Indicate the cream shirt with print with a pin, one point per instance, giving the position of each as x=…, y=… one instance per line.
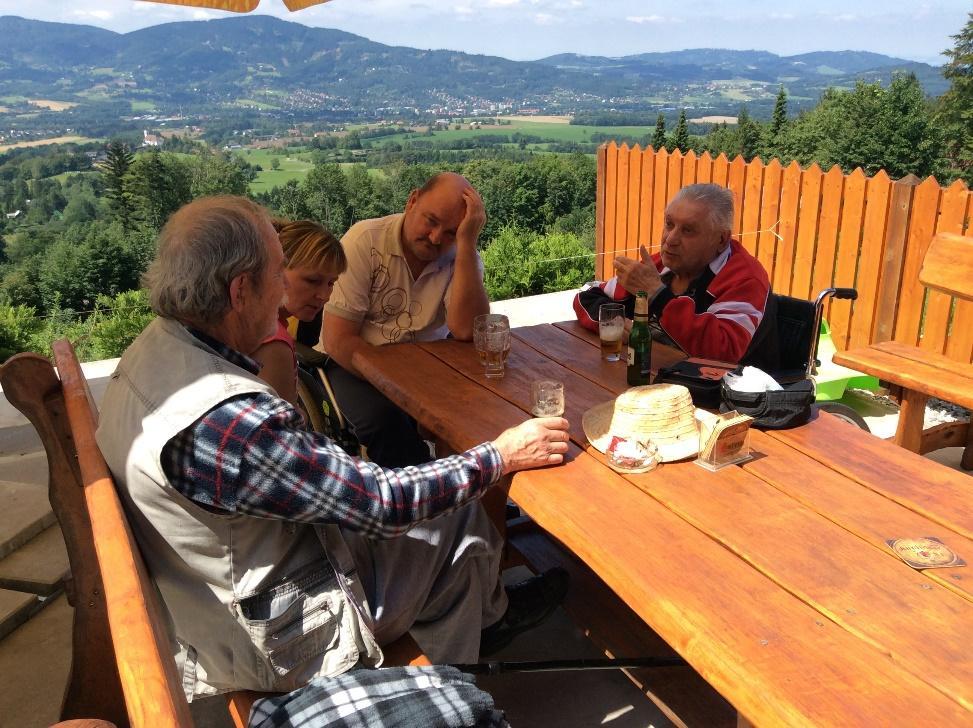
x=378, y=290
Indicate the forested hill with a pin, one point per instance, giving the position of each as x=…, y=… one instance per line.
x=258, y=57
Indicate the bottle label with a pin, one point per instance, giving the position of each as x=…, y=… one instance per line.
x=631, y=356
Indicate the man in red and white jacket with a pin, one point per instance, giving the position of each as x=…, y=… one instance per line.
x=707, y=295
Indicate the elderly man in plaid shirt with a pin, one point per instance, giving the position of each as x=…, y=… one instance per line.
x=278, y=556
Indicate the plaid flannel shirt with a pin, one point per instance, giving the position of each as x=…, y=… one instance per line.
x=250, y=455
x=431, y=696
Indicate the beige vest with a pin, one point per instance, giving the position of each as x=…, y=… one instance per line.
x=254, y=603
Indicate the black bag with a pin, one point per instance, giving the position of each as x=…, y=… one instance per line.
x=773, y=410
x=702, y=377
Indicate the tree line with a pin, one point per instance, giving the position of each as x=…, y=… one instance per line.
x=74, y=268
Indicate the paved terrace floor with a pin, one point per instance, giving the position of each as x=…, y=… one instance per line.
x=35, y=619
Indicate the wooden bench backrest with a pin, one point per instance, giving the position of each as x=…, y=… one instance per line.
x=948, y=265
x=122, y=668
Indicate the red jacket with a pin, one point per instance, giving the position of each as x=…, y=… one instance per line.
x=718, y=317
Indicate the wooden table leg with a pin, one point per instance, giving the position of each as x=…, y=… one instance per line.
x=966, y=462
x=912, y=409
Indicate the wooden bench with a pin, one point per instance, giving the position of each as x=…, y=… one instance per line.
x=919, y=373
x=122, y=670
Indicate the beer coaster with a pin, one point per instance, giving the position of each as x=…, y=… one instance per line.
x=925, y=552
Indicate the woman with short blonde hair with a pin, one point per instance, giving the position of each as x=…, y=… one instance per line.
x=315, y=259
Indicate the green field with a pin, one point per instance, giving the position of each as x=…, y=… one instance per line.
x=143, y=106
x=253, y=103
x=64, y=175
x=547, y=130
x=296, y=163
x=293, y=165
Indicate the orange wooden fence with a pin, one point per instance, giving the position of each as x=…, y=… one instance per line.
x=834, y=229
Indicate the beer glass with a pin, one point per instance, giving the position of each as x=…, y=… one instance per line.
x=496, y=344
x=611, y=326
x=546, y=398
x=485, y=324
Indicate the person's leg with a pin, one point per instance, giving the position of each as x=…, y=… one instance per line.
x=440, y=582
x=388, y=433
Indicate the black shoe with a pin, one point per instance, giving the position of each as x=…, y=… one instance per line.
x=531, y=602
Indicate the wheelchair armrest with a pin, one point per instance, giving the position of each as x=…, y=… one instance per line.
x=308, y=356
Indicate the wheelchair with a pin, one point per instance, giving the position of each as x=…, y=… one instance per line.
x=800, y=330
x=319, y=403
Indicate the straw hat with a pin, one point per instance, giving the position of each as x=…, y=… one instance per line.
x=662, y=413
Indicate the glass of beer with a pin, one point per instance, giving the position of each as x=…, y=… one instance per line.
x=546, y=398
x=611, y=326
x=485, y=324
x=497, y=347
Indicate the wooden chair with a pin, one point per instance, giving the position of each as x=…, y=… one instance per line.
x=918, y=373
x=122, y=670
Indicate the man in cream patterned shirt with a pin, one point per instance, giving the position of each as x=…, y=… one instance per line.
x=413, y=276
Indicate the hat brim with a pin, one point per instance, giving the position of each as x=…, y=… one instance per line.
x=597, y=421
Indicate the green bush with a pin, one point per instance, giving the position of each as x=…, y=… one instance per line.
x=18, y=325
x=105, y=333
x=520, y=263
x=117, y=321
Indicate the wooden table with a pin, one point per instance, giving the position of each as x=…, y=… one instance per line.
x=772, y=579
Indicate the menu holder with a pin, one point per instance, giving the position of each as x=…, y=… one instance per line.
x=724, y=439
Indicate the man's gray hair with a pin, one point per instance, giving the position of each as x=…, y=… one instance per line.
x=718, y=200
x=201, y=249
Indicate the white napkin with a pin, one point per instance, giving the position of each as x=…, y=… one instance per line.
x=752, y=380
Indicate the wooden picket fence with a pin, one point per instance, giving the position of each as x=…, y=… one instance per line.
x=869, y=233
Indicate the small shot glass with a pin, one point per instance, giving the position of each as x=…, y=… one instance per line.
x=547, y=398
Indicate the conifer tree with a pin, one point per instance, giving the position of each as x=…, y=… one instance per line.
x=778, y=123
x=680, y=138
x=118, y=159
x=659, y=138
x=748, y=132
x=955, y=109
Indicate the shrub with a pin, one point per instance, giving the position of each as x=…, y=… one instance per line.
x=18, y=325
x=520, y=263
x=105, y=333
x=117, y=321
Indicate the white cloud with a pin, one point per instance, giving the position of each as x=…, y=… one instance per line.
x=203, y=15
x=781, y=16
x=545, y=19
x=503, y=2
x=97, y=14
x=844, y=18
x=653, y=19
x=463, y=10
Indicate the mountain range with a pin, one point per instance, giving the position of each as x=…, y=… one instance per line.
x=282, y=66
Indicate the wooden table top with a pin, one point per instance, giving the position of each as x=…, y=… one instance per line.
x=772, y=579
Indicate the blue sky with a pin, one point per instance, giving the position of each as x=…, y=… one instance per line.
x=530, y=29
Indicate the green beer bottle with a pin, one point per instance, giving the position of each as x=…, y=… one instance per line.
x=640, y=343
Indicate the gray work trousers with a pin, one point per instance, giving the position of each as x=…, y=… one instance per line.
x=440, y=582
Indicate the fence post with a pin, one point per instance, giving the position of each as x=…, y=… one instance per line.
x=602, y=158
x=893, y=257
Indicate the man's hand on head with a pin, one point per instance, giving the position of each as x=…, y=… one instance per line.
x=474, y=219
x=637, y=275
x=534, y=443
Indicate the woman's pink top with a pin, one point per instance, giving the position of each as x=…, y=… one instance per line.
x=283, y=335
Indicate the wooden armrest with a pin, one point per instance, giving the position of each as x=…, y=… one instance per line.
x=84, y=723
